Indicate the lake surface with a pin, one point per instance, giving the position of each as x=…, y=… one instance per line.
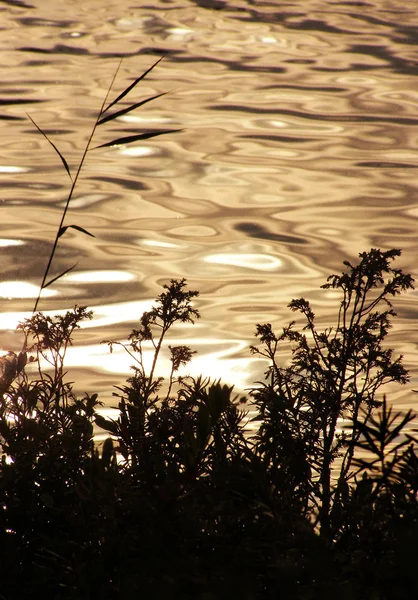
x=298, y=150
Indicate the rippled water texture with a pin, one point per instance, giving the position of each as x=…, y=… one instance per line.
x=297, y=151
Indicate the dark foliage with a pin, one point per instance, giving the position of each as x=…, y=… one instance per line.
x=181, y=500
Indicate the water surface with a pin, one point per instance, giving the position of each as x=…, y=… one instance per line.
x=298, y=150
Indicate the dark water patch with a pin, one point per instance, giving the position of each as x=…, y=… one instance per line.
x=260, y=17
x=359, y=4
x=403, y=231
x=232, y=65
x=181, y=56
x=36, y=63
x=408, y=33
x=13, y=91
x=52, y=131
x=18, y=263
x=371, y=20
x=393, y=198
x=397, y=63
x=255, y=230
x=11, y=118
x=316, y=117
x=15, y=183
x=279, y=138
x=300, y=61
x=215, y=5
x=10, y=101
x=260, y=309
x=125, y=183
x=385, y=165
x=350, y=68
x=17, y=3
x=317, y=25
x=57, y=49
x=39, y=22
x=305, y=88
x=155, y=52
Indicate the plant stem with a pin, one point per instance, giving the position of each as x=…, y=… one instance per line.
x=70, y=195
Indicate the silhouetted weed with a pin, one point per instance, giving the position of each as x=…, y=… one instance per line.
x=103, y=117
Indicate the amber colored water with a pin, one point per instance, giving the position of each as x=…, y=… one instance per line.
x=298, y=150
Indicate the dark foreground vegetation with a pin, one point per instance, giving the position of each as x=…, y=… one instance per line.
x=317, y=500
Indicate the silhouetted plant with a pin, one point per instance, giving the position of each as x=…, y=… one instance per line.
x=377, y=436
x=140, y=396
x=333, y=374
x=43, y=398
x=101, y=119
x=46, y=440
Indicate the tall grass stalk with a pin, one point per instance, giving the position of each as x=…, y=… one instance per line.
x=101, y=119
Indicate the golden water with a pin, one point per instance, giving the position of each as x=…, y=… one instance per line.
x=298, y=151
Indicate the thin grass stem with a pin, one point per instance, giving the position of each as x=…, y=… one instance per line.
x=44, y=283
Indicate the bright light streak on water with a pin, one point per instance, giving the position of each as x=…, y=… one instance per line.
x=259, y=262
x=22, y=289
x=12, y=169
x=100, y=276
x=159, y=244
x=7, y=242
x=136, y=151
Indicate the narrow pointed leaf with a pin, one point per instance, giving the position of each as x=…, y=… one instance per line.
x=64, y=162
x=64, y=229
x=82, y=230
x=370, y=445
x=130, y=87
x=124, y=111
x=135, y=138
x=51, y=281
x=107, y=424
x=366, y=464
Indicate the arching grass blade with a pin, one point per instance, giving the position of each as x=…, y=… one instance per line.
x=51, y=281
x=64, y=162
x=130, y=87
x=119, y=113
x=135, y=138
x=64, y=229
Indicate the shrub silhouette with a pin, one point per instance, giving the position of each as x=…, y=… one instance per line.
x=333, y=375
x=181, y=500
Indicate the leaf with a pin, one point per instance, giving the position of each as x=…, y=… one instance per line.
x=130, y=87
x=22, y=360
x=59, y=276
x=107, y=424
x=64, y=229
x=107, y=451
x=64, y=162
x=203, y=425
x=135, y=138
x=119, y=113
x=32, y=398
